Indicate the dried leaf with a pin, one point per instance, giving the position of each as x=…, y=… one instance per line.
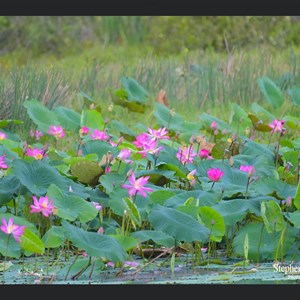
x=203, y=143
x=162, y=98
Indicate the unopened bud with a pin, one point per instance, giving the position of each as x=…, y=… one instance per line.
x=110, y=108
x=289, y=201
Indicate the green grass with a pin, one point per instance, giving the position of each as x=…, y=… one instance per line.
x=195, y=81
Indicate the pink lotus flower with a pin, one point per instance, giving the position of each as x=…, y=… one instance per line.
x=107, y=169
x=84, y=130
x=159, y=134
x=100, y=230
x=36, y=153
x=213, y=125
x=38, y=134
x=150, y=147
x=113, y=143
x=11, y=228
x=277, y=125
x=2, y=136
x=215, y=174
x=131, y=264
x=186, y=154
x=124, y=154
x=191, y=178
x=3, y=165
x=137, y=185
x=141, y=139
x=204, y=153
x=56, y=131
x=248, y=169
x=110, y=264
x=99, y=135
x=42, y=205
x=97, y=205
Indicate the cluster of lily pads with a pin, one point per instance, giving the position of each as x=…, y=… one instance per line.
x=100, y=189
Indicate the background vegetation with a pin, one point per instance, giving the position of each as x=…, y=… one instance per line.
x=204, y=63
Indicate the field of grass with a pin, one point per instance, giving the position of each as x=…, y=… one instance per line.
x=194, y=81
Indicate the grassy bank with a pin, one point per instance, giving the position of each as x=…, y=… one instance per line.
x=194, y=81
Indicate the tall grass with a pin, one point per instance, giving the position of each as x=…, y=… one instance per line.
x=195, y=82
x=28, y=82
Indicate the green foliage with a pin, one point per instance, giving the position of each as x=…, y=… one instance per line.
x=177, y=224
x=97, y=245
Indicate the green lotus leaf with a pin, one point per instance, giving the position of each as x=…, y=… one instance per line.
x=95, y=244
x=159, y=237
x=177, y=224
x=70, y=206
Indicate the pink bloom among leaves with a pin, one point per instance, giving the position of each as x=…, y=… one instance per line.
x=137, y=185
x=84, y=130
x=2, y=136
x=56, y=131
x=3, y=165
x=11, y=228
x=159, y=134
x=42, y=205
x=277, y=125
x=141, y=139
x=186, y=154
x=124, y=154
x=36, y=153
x=97, y=205
x=150, y=147
x=204, y=153
x=38, y=134
x=248, y=169
x=110, y=264
x=215, y=174
x=213, y=125
x=131, y=264
x=99, y=135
